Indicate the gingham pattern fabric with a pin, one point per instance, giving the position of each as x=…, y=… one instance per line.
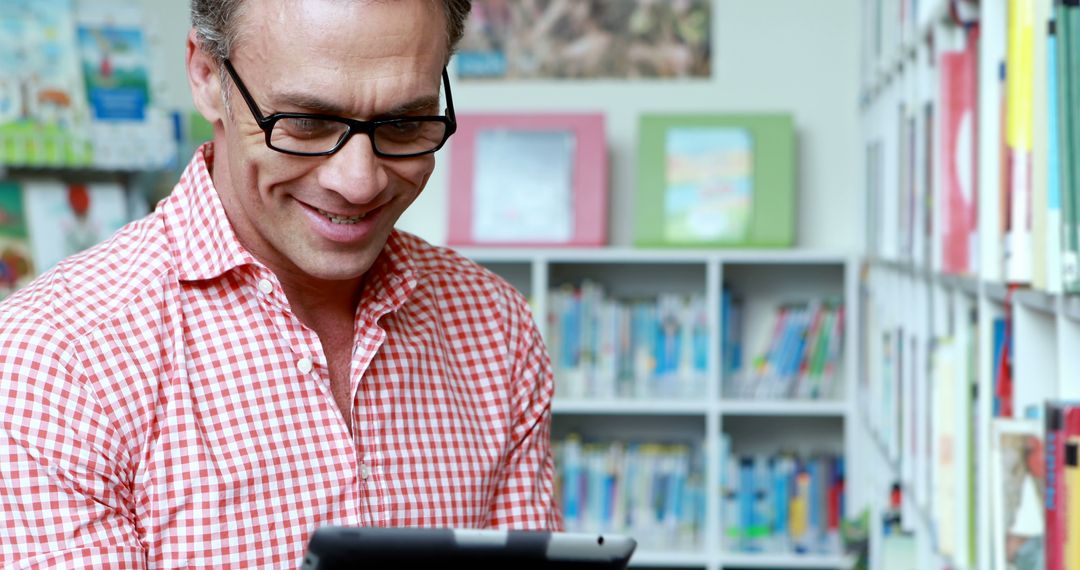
x=162, y=407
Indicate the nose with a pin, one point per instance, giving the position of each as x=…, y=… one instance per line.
x=354, y=171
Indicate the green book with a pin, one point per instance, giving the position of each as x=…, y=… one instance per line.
x=1067, y=22
x=715, y=180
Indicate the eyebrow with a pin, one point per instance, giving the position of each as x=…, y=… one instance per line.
x=318, y=105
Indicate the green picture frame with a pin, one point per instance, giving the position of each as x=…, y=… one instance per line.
x=716, y=180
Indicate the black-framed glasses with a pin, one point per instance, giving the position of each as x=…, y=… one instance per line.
x=314, y=134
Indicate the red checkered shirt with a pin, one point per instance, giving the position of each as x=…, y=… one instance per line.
x=163, y=407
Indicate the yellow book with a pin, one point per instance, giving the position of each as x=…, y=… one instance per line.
x=1019, y=133
x=1071, y=499
x=797, y=522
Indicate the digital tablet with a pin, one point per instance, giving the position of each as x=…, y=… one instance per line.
x=336, y=548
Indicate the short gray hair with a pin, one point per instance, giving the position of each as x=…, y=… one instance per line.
x=214, y=24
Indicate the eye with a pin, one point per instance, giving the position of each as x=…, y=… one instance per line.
x=307, y=127
x=404, y=130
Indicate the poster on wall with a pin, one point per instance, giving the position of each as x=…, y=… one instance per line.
x=586, y=39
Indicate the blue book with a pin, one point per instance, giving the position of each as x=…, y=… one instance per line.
x=747, y=496
x=572, y=480
x=571, y=332
x=816, y=511
x=999, y=346
x=782, y=479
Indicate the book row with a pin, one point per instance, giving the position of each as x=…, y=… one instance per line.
x=799, y=359
x=931, y=201
x=78, y=90
x=644, y=348
x=921, y=401
x=43, y=221
x=783, y=503
x=652, y=491
x=658, y=347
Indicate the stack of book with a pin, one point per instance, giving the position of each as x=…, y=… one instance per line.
x=644, y=348
x=651, y=491
x=801, y=357
x=783, y=503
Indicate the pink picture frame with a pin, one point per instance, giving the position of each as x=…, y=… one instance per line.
x=528, y=180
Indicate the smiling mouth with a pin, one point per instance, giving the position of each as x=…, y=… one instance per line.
x=344, y=220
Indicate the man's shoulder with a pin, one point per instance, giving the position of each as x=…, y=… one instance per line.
x=96, y=284
x=439, y=263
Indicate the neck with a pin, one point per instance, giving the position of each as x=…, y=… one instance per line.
x=315, y=304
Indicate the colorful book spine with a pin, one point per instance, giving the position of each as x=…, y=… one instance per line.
x=1053, y=238
x=652, y=491
x=1071, y=504
x=1019, y=133
x=1067, y=25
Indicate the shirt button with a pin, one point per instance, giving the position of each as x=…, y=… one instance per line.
x=304, y=365
x=365, y=471
x=266, y=286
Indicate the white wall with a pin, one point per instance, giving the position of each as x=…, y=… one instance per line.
x=798, y=56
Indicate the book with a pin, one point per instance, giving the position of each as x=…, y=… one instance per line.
x=66, y=219
x=127, y=129
x=1067, y=25
x=1018, y=491
x=1053, y=236
x=1061, y=421
x=1071, y=504
x=43, y=110
x=1019, y=130
x=715, y=180
x=1040, y=117
x=959, y=120
x=16, y=261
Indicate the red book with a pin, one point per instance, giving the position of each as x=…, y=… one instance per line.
x=1062, y=420
x=959, y=151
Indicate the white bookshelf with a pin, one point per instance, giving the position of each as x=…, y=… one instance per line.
x=766, y=278
x=912, y=294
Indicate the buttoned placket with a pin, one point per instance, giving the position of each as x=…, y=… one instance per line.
x=309, y=362
x=366, y=433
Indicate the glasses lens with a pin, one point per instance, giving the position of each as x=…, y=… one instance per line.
x=306, y=135
x=409, y=137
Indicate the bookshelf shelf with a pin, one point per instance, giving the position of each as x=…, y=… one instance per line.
x=1040, y=301
x=783, y=408
x=734, y=560
x=997, y=292
x=1070, y=307
x=964, y=283
x=669, y=559
x=631, y=407
x=704, y=418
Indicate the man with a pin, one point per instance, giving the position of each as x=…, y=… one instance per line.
x=265, y=354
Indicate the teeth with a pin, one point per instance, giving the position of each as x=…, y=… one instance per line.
x=341, y=219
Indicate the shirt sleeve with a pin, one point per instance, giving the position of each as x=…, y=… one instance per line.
x=526, y=495
x=65, y=490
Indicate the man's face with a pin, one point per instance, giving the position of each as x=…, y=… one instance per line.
x=327, y=218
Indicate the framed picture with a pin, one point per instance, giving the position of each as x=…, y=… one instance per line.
x=715, y=180
x=1018, y=484
x=528, y=180
x=586, y=39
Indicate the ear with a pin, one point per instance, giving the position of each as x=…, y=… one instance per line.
x=202, y=72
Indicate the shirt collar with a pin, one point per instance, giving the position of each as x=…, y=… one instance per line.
x=205, y=245
x=392, y=278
